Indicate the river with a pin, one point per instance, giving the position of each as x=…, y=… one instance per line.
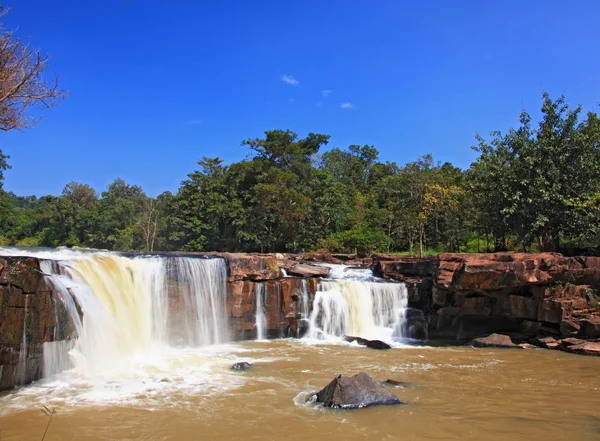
x=190, y=394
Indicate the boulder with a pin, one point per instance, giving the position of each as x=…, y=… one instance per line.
x=241, y=366
x=569, y=328
x=547, y=342
x=354, y=392
x=373, y=344
x=406, y=266
x=305, y=270
x=396, y=383
x=587, y=348
x=494, y=341
x=591, y=327
x=250, y=266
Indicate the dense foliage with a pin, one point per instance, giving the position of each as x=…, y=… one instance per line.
x=531, y=188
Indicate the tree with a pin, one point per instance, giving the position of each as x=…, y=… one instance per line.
x=81, y=195
x=22, y=83
x=201, y=206
x=527, y=180
x=3, y=167
x=149, y=222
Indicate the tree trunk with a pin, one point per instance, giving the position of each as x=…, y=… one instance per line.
x=421, y=233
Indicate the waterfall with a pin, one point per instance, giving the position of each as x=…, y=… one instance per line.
x=21, y=374
x=199, y=285
x=303, y=308
x=354, y=302
x=123, y=309
x=261, y=319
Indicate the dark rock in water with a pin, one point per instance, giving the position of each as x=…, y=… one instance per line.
x=494, y=341
x=396, y=383
x=374, y=344
x=241, y=366
x=354, y=392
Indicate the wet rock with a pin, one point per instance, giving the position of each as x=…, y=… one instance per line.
x=396, y=383
x=354, y=392
x=591, y=327
x=566, y=342
x=373, y=344
x=305, y=270
x=587, y=348
x=530, y=328
x=494, y=341
x=547, y=342
x=569, y=328
x=241, y=366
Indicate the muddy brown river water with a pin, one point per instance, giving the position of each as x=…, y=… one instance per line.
x=455, y=393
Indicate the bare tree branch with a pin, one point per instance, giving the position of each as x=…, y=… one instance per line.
x=22, y=82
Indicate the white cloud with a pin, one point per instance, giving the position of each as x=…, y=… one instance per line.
x=347, y=105
x=319, y=104
x=326, y=93
x=288, y=79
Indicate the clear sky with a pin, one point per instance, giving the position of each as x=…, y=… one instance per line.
x=156, y=85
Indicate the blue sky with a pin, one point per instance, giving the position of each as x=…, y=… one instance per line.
x=156, y=85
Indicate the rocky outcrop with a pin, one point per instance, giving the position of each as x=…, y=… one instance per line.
x=354, y=392
x=525, y=296
x=283, y=296
x=30, y=316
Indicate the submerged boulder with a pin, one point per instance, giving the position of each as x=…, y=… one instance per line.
x=494, y=341
x=241, y=366
x=374, y=344
x=354, y=392
x=396, y=383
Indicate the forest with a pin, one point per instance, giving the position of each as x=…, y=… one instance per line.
x=532, y=188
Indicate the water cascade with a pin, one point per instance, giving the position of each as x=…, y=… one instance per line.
x=22, y=366
x=354, y=302
x=123, y=309
x=261, y=319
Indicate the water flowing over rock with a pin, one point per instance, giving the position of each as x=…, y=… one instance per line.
x=95, y=311
x=261, y=319
x=373, y=344
x=241, y=366
x=355, y=392
x=353, y=302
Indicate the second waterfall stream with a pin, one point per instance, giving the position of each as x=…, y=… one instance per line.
x=351, y=301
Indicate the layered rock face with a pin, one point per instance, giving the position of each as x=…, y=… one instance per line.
x=30, y=316
x=526, y=296
x=282, y=297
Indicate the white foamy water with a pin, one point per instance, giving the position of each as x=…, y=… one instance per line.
x=164, y=376
x=352, y=301
x=261, y=318
x=138, y=321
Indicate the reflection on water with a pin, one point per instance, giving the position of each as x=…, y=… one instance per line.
x=190, y=394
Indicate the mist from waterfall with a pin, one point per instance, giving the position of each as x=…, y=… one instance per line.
x=352, y=301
